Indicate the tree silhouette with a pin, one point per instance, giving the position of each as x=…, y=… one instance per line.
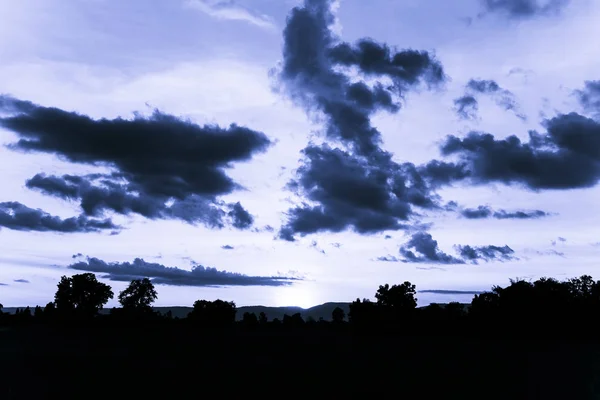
x=1, y=307
x=250, y=320
x=81, y=294
x=338, y=315
x=138, y=296
x=216, y=313
x=262, y=318
x=397, y=297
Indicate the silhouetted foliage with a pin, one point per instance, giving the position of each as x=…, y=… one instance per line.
x=397, y=297
x=81, y=295
x=213, y=313
x=338, y=315
x=138, y=296
x=262, y=318
x=250, y=320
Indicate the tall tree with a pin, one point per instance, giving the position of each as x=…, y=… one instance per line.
x=138, y=296
x=399, y=297
x=82, y=294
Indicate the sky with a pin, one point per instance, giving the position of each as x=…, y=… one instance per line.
x=296, y=152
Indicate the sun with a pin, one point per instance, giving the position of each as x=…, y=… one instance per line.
x=296, y=296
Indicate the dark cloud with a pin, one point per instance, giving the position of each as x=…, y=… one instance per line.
x=354, y=192
x=77, y=255
x=482, y=212
x=99, y=193
x=310, y=75
x=486, y=253
x=240, y=218
x=388, y=258
x=21, y=281
x=450, y=292
x=227, y=247
x=162, y=275
x=422, y=248
x=3, y=284
x=16, y=216
x=157, y=160
x=467, y=105
x=566, y=157
x=523, y=9
x=358, y=187
x=589, y=97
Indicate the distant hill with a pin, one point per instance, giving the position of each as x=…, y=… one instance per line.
x=321, y=311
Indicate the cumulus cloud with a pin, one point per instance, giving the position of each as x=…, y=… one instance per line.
x=567, y=156
x=589, y=97
x=483, y=212
x=165, y=166
x=467, y=105
x=523, y=9
x=16, y=216
x=486, y=253
x=354, y=192
x=163, y=275
x=422, y=248
x=357, y=187
x=231, y=10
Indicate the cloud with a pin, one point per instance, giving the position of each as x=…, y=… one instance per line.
x=315, y=246
x=232, y=11
x=358, y=186
x=16, y=216
x=241, y=218
x=159, y=274
x=348, y=191
x=559, y=239
x=567, y=156
x=3, y=284
x=165, y=166
x=523, y=9
x=467, y=105
x=486, y=253
x=427, y=251
x=21, y=281
x=227, y=247
x=589, y=97
x=388, y=258
x=310, y=75
x=450, y=292
x=422, y=248
x=483, y=212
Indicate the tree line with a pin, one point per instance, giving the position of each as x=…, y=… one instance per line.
x=542, y=306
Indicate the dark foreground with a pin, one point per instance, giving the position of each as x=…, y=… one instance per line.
x=164, y=362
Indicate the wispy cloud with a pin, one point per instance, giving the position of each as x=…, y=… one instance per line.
x=230, y=10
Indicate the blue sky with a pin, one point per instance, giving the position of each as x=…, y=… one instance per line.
x=209, y=64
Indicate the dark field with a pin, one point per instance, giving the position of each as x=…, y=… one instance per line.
x=186, y=362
